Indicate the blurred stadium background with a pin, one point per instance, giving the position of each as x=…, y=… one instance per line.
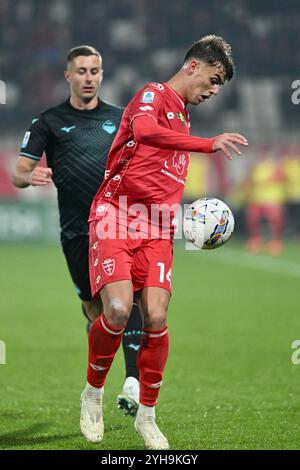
x=143, y=41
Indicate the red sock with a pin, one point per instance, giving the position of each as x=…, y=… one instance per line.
x=104, y=341
x=152, y=359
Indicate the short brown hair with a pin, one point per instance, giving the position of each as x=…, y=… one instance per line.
x=81, y=50
x=213, y=50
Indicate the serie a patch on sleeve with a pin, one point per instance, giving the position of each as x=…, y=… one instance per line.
x=26, y=139
x=148, y=97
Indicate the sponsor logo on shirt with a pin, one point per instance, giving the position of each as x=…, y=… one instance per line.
x=135, y=347
x=146, y=108
x=34, y=120
x=170, y=115
x=158, y=86
x=179, y=162
x=67, y=129
x=101, y=209
x=109, y=127
x=174, y=177
x=148, y=97
x=182, y=118
x=26, y=139
x=108, y=266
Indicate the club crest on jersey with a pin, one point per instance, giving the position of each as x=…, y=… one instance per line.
x=179, y=162
x=108, y=266
x=148, y=97
x=109, y=127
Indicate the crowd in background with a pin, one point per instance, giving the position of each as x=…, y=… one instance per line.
x=143, y=41
x=140, y=41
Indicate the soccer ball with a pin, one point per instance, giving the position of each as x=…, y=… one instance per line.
x=208, y=223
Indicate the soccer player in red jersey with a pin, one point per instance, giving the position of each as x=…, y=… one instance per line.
x=131, y=231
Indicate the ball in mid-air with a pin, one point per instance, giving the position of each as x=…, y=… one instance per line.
x=208, y=223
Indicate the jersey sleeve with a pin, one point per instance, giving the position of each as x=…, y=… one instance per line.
x=147, y=102
x=147, y=132
x=35, y=139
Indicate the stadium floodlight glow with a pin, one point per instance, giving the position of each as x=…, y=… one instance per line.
x=2, y=92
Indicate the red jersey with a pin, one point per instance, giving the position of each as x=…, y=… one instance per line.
x=155, y=173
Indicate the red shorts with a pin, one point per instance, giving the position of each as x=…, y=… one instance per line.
x=146, y=262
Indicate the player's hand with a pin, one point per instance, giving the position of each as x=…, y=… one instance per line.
x=40, y=176
x=226, y=142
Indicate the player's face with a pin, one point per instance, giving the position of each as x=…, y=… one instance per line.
x=84, y=75
x=204, y=81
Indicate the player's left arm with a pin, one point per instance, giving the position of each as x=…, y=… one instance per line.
x=227, y=143
x=144, y=110
x=146, y=131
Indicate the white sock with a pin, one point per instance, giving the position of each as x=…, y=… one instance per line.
x=93, y=391
x=144, y=411
x=93, y=398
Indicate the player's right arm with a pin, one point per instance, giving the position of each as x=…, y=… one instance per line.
x=35, y=141
x=27, y=173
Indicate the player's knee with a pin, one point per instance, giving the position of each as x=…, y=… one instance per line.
x=156, y=319
x=91, y=309
x=118, y=313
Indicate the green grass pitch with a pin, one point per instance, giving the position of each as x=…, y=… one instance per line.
x=229, y=382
